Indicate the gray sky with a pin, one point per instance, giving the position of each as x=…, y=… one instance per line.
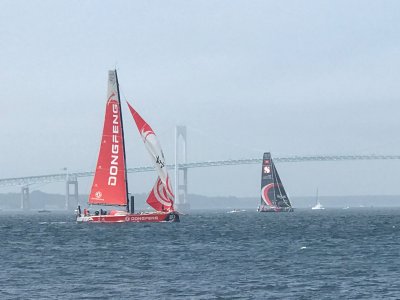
x=290, y=77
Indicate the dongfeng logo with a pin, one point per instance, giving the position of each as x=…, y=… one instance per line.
x=267, y=169
x=112, y=179
x=98, y=194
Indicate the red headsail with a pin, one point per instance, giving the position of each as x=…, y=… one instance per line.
x=161, y=197
x=109, y=184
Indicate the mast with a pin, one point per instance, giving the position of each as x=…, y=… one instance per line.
x=123, y=141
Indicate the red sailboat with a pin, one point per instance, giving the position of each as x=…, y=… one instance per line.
x=110, y=185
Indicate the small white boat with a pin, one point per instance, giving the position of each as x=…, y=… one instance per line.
x=318, y=205
x=235, y=211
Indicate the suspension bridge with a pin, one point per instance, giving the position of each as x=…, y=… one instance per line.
x=181, y=199
x=41, y=179
x=180, y=168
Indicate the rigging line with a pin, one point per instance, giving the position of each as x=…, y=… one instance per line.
x=279, y=183
x=280, y=187
x=282, y=192
x=121, y=93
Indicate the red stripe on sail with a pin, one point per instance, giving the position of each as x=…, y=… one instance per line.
x=159, y=199
x=143, y=127
x=264, y=194
x=109, y=187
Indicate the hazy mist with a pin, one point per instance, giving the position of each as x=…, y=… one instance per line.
x=290, y=77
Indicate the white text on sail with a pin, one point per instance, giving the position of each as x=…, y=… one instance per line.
x=112, y=179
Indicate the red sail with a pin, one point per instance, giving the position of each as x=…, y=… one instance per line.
x=143, y=127
x=109, y=184
x=160, y=199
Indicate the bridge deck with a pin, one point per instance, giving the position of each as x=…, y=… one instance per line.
x=22, y=181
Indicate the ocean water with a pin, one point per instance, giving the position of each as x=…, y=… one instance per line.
x=330, y=254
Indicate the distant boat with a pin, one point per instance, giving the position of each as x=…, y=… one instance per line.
x=235, y=211
x=273, y=194
x=110, y=183
x=44, y=211
x=318, y=205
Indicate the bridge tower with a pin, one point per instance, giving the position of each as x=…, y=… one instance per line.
x=25, y=202
x=71, y=181
x=181, y=200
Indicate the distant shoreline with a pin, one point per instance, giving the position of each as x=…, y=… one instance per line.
x=41, y=200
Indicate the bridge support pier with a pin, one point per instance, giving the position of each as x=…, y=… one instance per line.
x=181, y=200
x=71, y=197
x=25, y=202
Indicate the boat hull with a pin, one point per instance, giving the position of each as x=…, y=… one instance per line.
x=156, y=217
x=275, y=209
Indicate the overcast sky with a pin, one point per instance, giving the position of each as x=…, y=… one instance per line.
x=290, y=77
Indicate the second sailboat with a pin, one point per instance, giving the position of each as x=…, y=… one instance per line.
x=273, y=194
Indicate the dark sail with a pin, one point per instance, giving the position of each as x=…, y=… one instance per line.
x=273, y=194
